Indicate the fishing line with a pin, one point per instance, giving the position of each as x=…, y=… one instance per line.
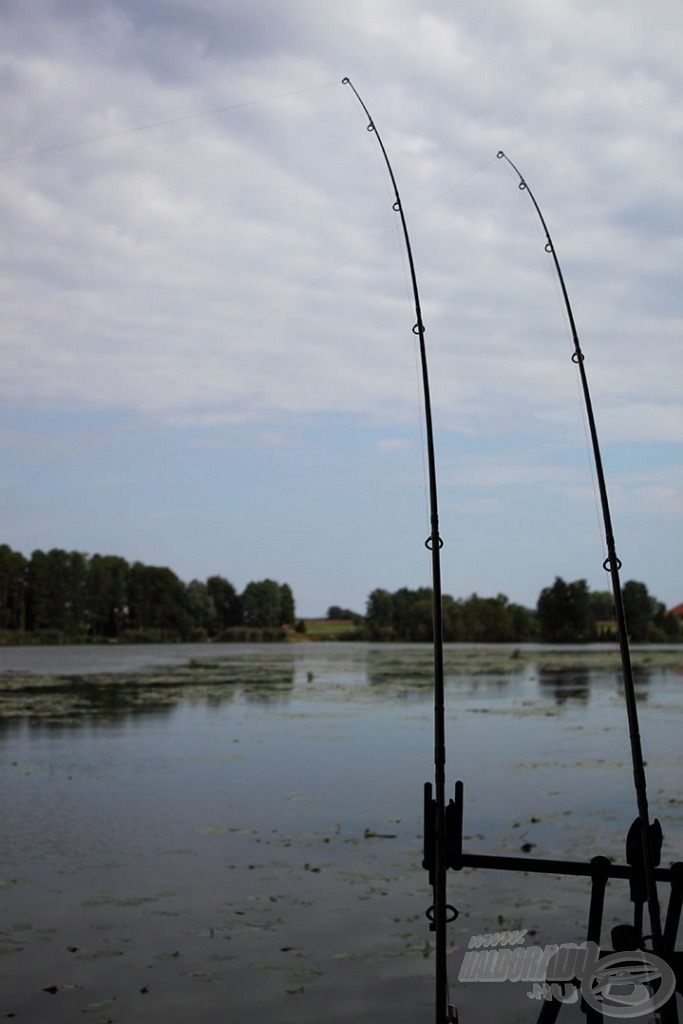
x=458, y=184
x=161, y=124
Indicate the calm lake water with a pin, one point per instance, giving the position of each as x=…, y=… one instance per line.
x=232, y=833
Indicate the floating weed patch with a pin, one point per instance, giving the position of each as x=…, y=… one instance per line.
x=100, y=954
x=599, y=763
x=17, y=927
x=214, y=830
x=295, y=975
x=62, y=697
x=524, y=766
x=423, y=949
x=105, y=1004
x=269, y=677
x=128, y=901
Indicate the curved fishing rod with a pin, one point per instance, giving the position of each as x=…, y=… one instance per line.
x=612, y=564
x=440, y=914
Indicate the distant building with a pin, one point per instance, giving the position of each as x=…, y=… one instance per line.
x=677, y=613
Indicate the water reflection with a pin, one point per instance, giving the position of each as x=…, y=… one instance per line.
x=240, y=832
x=219, y=675
x=565, y=684
x=403, y=669
x=400, y=670
x=275, y=689
x=61, y=699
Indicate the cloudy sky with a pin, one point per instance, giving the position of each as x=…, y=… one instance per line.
x=207, y=355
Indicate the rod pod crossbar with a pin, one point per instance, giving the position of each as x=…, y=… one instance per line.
x=625, y=937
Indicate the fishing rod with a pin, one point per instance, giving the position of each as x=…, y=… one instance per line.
x=650, y=834
x=440, y=913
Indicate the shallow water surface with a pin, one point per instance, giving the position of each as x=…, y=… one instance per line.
x=224, y=832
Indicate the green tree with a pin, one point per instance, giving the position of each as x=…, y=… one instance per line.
x=336, y=612
x=601, y=604
x=525, y=623
x=200, y=607
x=403, y=618
x=49, y=590
x=262, y=604
x=378, y=615
x=451, y=612
x=107, y=595
x=76, y=606
x=564, y=614
x=640, y=610
x=421, y=624
x=13, y=569
x=227, y=603
x=488, y=619
x=287, y=609
x=407, y=615
x=157, y=601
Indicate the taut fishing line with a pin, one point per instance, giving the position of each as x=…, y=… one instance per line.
x=161, y=124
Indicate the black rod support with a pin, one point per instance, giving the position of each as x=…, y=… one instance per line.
x=545, y=866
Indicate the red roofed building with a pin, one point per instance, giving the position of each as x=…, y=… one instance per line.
x=677, y=613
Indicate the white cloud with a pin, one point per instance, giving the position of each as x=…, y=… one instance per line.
x=246, y=267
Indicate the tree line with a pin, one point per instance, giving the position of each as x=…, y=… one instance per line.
x=67, y=595
x=61, y=595
x=564, y=613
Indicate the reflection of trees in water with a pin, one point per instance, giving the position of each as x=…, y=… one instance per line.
x=72, y=701
x=642, y=674
x=399, y=672
x=409, y=671
x=566, y=684
x=261, y=678
x=105, y=700
x=271, y=687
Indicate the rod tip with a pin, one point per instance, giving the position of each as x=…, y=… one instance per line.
x=500, y=154
x=346, y=81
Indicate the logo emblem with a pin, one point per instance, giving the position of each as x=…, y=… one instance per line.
x=628, y=984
